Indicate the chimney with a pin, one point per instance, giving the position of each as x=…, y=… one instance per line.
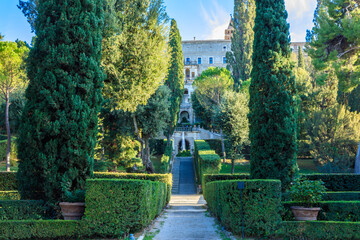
x=194, y=38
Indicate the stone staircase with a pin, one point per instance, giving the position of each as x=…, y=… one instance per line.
x=176, y=176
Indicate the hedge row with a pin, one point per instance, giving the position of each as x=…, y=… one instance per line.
x=9, y=195
x=206, y=160
x=42, y=229
x=319, y=230
x=261, y=205
x=330, y=211
x=219, y=177
x=165, y=159
x=8, y=181
x=22, y=210
x=332, y=196
x=337, y=181
x=118, y=206
x=164, y=178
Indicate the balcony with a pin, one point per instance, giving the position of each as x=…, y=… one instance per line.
x=191, y=63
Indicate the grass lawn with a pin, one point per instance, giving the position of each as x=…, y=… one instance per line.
x=243, y=166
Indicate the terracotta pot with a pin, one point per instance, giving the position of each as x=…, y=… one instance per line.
x=72, y=211
x=305, y=214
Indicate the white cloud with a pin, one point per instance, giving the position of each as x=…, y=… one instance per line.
x=298, y=7
x=216, y=17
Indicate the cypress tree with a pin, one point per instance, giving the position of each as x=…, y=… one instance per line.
x=59, y=123
x=175, y=77
x=272, y=121
x=301, y=60
x=240, y=59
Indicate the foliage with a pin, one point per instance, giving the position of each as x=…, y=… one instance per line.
x=272, y=120
x=201, y=113
x=326, y=230
x=116, y=206
x=43, y=229
x=307, y=192
x=13, y=153
x=339, y=196
x=206, y=160
x=301, y=59
x=76, y=196
x=206, y=178
x=337, y=182
x=240, y=57
x=59, y=123
x=28, y=8
x=8, y=181
x=330, y=211
x=185, y=153
x=22, y=210
x=135, y=56
x=175, y=77
x=9, y=195
x=261, y=205
x=164, y=178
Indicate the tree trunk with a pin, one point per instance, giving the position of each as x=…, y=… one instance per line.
x=232, y=165
x=146, y=160
x=8, y=150
x=139, y=138
x=357, y=161
x=223, y=146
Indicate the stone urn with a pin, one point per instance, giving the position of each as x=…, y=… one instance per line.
x=305, y=214
x=72, y=210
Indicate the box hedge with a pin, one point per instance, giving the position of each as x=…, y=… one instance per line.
x=118, y=206
x=261, y=205
x=42, y=229
x=330, y=211
x=337, y=181
x=8, y=181
x=206, y=160
x=331, y=196
x=325, y=230
x=164, y=178
x=219, y=177
x=9, y=195
x=22, y=210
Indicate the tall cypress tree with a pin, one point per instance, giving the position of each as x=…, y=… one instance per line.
x=240, y=59
x=301, y=60
x=175, y=77
x=59, y=123
x=272, y=121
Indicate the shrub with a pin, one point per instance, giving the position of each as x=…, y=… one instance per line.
x=42, y=229
x=319, y=230
x=330, y=196
x=22, y=210
x=330, y=210
x=9, y=195
x=165, y=159
x=158, y=146
x=218, y=177
x=206, y=160
x=8, y=181
x=307, y=193
x=261, y=205
x=337, y=181
x=164, y=178
x=118, y=206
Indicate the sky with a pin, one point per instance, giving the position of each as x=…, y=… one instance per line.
x=203, y=19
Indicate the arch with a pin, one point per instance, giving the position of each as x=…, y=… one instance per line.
x=184, y=117
x=186, y=91
x=187, y=145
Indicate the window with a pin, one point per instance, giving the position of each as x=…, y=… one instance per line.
x=211, y=60
x=193, y=75
x=187, y=60
x=187, y=73
x=224, y=48
x=224, y=60
x=199, y=60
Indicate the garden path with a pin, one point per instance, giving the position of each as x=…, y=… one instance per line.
x=186, y=217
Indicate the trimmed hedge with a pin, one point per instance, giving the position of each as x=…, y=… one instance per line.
x=330, y=211
x=8, y=181
x=337, y=181
x=42, y=229
x=118, y=206
x=206, y=160
x=164, y=178
x=332, y=196
x=219, y=177
x=319, y=230
x=22, y=210
x=165, y=159
x=9, y=195
x=261, y=205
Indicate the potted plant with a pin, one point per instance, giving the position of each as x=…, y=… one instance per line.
x=308, y=194
x=73, y=207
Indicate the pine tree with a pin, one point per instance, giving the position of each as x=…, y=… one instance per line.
x=59, y=123
x=175, y=77
x=240, y=59
x=272, y=121
x=301, y=60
